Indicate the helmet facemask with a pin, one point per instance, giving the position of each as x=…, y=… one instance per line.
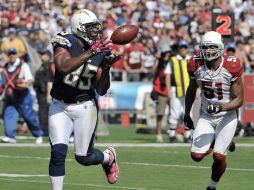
x=211, y=51
x=90, y=32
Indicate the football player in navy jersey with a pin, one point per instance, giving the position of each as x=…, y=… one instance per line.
x=83, y=59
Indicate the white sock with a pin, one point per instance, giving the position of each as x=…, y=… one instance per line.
x=106, y=157
x=57, y=182
x=212, y=183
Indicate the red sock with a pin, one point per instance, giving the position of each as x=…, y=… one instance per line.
x=219, y=166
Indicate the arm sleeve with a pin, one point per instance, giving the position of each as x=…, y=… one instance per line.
x=234, y=67
x=238, y=72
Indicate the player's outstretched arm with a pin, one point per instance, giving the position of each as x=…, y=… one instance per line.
x=237, y=94
x=65, y=64
x=102, y=81
x=190, y=96
x=103, y=77
x=189, y=99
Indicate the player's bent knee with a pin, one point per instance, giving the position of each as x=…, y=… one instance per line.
x=57, y=160
x=219, y=157
x=197, y=157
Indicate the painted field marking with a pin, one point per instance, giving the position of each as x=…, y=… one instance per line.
x=22, y=175
x=28, y=157
x=185, y=166
x=73, y=184
x=136, y=163
x=124, y=145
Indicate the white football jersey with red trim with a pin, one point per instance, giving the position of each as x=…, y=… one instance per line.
x=215, y=85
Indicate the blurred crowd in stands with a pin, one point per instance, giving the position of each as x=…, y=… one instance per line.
x=29, y=25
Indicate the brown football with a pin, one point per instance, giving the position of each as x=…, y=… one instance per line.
x=124, y=34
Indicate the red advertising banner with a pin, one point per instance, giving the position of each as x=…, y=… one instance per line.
x=248, y=103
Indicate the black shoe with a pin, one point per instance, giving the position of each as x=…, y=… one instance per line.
x=172, y=139
x=210, y=188
x=232, y=146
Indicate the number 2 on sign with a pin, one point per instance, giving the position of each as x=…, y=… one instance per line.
x=224, y=28
x=209, y=93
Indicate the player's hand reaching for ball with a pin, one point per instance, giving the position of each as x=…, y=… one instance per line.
x=110, y=59
x=102, y=45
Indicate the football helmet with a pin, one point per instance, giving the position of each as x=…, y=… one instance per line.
x=211, y=46
x=86, y=25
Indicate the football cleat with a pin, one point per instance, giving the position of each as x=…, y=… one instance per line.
x=8, y=140
x=210, y=188
x=232, y=146
x=111, y=168
x=39, y=140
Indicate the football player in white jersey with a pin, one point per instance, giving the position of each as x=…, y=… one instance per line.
x=219, y=78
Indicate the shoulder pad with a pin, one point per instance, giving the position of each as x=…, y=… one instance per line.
x=233, y=65
x=194, y=63
x=60, y=40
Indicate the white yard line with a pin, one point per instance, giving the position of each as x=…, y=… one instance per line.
x=184, y=166
x=74, y=184
x=21, y=137
x=28, y=157
x=134, y=163
x=126, y=145
x=22, y=175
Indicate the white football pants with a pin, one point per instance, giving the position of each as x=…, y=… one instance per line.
x=221, y=128
x=80, y=118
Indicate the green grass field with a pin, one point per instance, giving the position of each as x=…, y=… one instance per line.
x=149, y=168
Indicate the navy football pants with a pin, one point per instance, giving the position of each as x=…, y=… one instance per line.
x=25, y=108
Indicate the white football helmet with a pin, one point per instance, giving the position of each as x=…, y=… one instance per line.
x=86, y=25
x=211, y=46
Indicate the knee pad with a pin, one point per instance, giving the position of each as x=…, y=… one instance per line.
x=197, y=157
x=57, y=160
x=96, y=157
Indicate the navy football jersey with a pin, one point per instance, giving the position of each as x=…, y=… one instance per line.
x=78, y=85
